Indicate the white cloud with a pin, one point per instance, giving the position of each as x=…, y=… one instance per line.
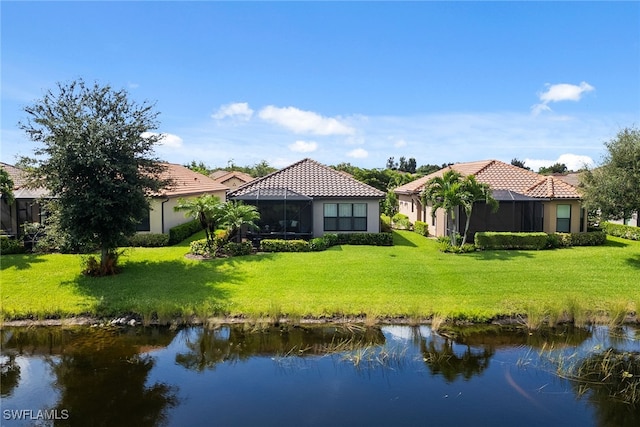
x=560, y=92
x=133, y=85
x=573, y=161
x=300, y=121
x=358, y=153
x=167, y=140
x=237, y=110
x=303, y=146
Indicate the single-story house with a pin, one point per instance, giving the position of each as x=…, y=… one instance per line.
x=232, y=179
x=527, y=202
x=186, y=184
x=25, y=208
x=308, y=199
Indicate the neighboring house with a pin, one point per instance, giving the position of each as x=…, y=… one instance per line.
x=232, y=179
x=527, y=202
x=25, y=208
x=186, y=184
x=573, y=178
x=308, y=199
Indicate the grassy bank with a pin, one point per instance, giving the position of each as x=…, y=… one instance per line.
x=411, y=279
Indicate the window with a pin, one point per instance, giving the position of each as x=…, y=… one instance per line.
x=345, y=217
x=563, y=218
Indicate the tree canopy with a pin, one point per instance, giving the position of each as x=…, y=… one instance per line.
x=95, y=157
x=613, y=188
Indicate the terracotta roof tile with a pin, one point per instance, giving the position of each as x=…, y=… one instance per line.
x=187, y=182
x=313, y=179
x=16, y=175
x=223, y=176
x=503, y=176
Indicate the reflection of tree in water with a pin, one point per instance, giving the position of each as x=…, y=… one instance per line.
x=208, y=348
x=441, y=359
x=101, y=374
x=9, y=375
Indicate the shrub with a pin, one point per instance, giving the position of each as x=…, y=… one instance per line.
x=280, y=245
x=11, y=246
x=401, y=221
x=372, y=239
x=180, y=232
x=565, y=240
x=200, y=247
x=148, y=240
x=385, y=223
x=505, y=240
x=619, y=230
x=237, y=249
x=421, y=228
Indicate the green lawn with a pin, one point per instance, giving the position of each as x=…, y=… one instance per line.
x=411, y=279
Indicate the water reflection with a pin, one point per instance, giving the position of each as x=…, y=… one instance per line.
x=198, y=376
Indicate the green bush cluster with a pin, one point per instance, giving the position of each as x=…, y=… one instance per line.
x=401, y=221
x=180, y=232
x=148, y=240
x=237, y=249
x=619, y=230
x=421, y=228
x=11, y=246
x=501, y=240
x=385, y=223
x=370, y=239
x=322, y=243
x=565, y=240
x=200, y=247
x=280, y=245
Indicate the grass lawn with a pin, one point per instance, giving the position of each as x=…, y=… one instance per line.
x=411, y=279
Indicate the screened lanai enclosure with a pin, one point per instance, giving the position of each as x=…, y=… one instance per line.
x=284, y=214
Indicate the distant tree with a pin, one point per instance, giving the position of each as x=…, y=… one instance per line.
x=95, y=159
x=206, y=209
x=613, y=188
x=519, y=163
x=407, y=165
x=261, y=169
x=556, y=168
x=392, y=164
x=236, y=215
x=199, y=167
x=427, y=169
x=6, y=186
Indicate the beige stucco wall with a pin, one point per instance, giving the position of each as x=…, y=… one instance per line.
x=417, y=212
x=550, y=210
x=171, y=217
x=233, y=182
x=373, y=214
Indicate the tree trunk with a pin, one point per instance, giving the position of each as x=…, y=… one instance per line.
x=466, y=228
x=454, y=229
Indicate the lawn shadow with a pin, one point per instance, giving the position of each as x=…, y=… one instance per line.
x=500, y=255
x=616, y=244
x=400, y=240
x=634, y=261
x=19, y=261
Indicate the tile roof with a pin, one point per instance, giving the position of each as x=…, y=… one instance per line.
x=20, y=189
x=312, y=179
x=187, y=182
x=222, y=176
x=503, y=176
x=16, y=175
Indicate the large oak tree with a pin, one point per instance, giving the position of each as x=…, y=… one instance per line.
x=95, y=157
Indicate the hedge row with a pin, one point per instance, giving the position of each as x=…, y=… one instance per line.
x=148, y=240
x=619, y=230
x=200, y=247
x=180, y=232
x=326, y=241
x=537, y=241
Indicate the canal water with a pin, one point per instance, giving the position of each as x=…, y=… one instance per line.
x=261, y=375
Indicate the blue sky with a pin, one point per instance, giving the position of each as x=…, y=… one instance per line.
x=353, y=82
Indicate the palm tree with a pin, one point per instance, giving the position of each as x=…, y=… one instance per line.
x=474, y=191
x=207, y=209
x=445, y=192
x=236, y=214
